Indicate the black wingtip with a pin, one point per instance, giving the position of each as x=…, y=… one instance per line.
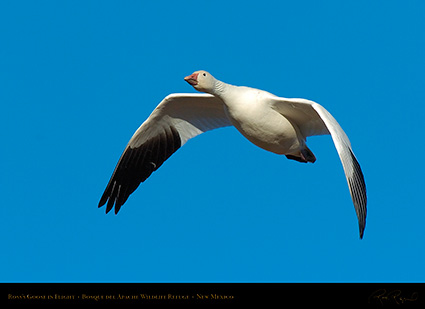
x=108, y=208
x=110, y=205
x=102, y=201
x=362, y=226
x=117, y=206
x=357, y=187
x=136, y=165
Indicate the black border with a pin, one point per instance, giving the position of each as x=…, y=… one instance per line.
x=277, y=294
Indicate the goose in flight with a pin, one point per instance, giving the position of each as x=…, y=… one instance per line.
x=279, y=125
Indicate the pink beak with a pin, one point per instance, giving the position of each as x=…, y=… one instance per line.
x=192, y=79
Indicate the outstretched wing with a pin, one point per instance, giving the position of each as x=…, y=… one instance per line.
x=314, y=119
x=178, y=118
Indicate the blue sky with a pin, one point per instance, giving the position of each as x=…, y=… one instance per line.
x=77, y=78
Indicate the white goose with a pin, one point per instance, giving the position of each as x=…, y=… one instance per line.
x=276, y=124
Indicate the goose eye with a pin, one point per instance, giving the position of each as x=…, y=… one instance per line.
x=204, y=74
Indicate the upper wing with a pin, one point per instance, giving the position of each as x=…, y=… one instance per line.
x=314, y=119
x=173, y=122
